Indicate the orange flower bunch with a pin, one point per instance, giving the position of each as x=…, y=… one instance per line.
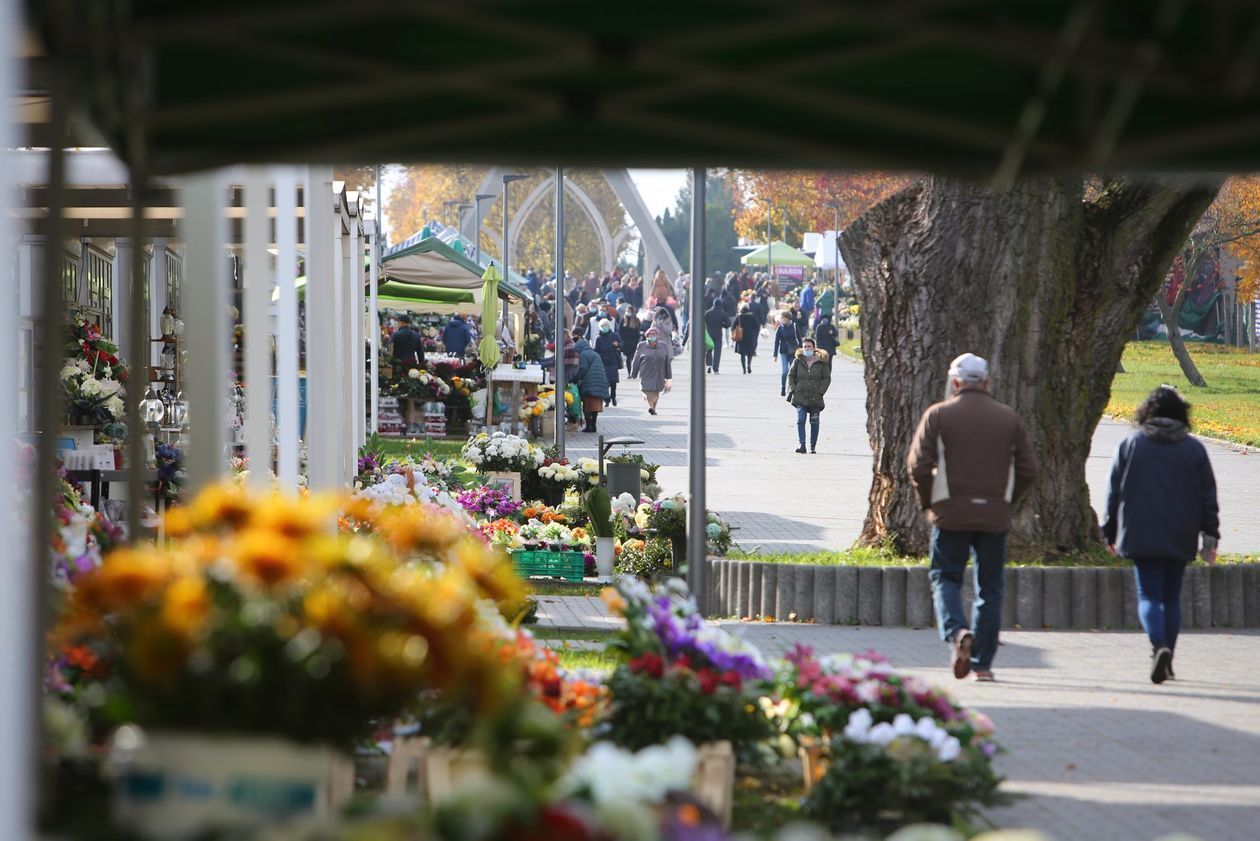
x=548, y=682
x=263, y=590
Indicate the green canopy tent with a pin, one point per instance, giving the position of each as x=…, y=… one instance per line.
x=416, y=298
x=782, y=254
x=428, y=261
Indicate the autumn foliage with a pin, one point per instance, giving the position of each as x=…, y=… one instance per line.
x=799, y=200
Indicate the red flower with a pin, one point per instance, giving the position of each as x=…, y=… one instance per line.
x=732, y=679
x=708, y=681
x=557, y=823
x=649, y=664
x=682, y=663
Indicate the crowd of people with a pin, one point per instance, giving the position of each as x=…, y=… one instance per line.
x=634, y=327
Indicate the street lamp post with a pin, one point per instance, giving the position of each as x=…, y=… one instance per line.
x=477, y=200
x=507, y=179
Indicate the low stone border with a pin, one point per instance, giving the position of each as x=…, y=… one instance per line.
x=1226, y=596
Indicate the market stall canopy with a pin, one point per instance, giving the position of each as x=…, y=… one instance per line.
x=393, y=295
x=430, y=262
x=782, y=254
x=987, y=88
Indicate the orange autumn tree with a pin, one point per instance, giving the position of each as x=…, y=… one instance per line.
x=1238, y=230
x=798, y=199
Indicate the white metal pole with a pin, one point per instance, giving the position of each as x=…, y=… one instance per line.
x=696, y=517
x=258, y=286
x=322, y=413
x=374, y=323
x=20, y=630
x=205, y=300
x=288, y=432
x=356, y=325
x=341, y=435
x=558, y=312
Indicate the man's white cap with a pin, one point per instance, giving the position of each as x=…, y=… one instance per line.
x=969, y=368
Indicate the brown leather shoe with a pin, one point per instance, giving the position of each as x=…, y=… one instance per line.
x=962, y=653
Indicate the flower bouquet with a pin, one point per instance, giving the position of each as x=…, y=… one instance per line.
x=554, y=536
x=500, y=452
x=260, y=625
x=681, y=677
x=489, y=502
x=425, y=386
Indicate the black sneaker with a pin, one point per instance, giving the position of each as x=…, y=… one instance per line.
x=813, y=452
x=801, y=448
x=1159, y=668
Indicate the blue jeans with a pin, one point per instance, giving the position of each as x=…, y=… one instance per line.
x=950, y=552
x=801, y=413
x=1159, y=600
x=785, y=362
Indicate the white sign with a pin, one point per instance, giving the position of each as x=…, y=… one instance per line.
x=1255, y=318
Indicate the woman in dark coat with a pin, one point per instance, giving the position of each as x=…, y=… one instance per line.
x=746, y=344
x=608, y=346
x=592, y=383
x=808, y=380
x=1161, y=502
x=631, y=332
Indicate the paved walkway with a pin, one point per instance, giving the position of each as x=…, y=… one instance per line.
x=782, y=501
x=1100, y=752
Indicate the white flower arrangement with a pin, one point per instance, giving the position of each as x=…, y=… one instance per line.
x=614, y=776
x=394, y=490
x=624, y=505
x=560, y=473
x=500, y=451
x=861, y=729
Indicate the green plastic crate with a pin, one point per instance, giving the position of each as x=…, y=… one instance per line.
x=570, y=566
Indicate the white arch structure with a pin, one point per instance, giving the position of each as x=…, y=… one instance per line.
x=656, y=250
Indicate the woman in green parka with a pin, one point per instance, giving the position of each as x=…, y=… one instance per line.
x=808, y=380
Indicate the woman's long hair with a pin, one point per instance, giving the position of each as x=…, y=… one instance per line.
x=1163, y=402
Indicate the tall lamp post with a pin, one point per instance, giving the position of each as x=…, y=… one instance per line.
x=477, y=200
x=507, y=179
x=834, y=204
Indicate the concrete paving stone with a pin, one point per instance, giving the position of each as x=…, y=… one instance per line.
x=918, y=598
x=1201, y=590
x=1056, y=603
x=1251, y=596
x=1111, y=597
x=1235, y=584
x=785, y=592
x=1129, y=593
x=1083, y=583
x=1029, y=599
x=803, y=598
x=1187, y=601
x=1220, y=596
x=893, y=597
x=769, y=591
x=824, y=594
x=1010, y=597
x=742, y=570
x=756, y=577
x=870, y=594
x=846, y=609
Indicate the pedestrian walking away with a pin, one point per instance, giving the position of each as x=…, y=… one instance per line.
x=808, y=299
x=808, y=380
x=715, y=321
x=457, y=336
x=608, y=346
x=1161, y=503
x=654, y=366
x=826, y=333
x=745, y=334
x=631, y=333
x=971, y=461
x=592, y=383
x=787, y=341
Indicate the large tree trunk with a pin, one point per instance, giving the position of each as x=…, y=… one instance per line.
x=1043, y=284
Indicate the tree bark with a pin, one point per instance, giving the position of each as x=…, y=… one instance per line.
x=1045, y=285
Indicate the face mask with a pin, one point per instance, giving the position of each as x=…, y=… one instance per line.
x=652, y=341
x=809, y=351
x=605, y=329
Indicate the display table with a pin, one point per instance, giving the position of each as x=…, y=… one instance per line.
x=503, y=374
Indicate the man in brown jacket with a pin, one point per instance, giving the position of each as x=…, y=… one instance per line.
x=971, y=461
